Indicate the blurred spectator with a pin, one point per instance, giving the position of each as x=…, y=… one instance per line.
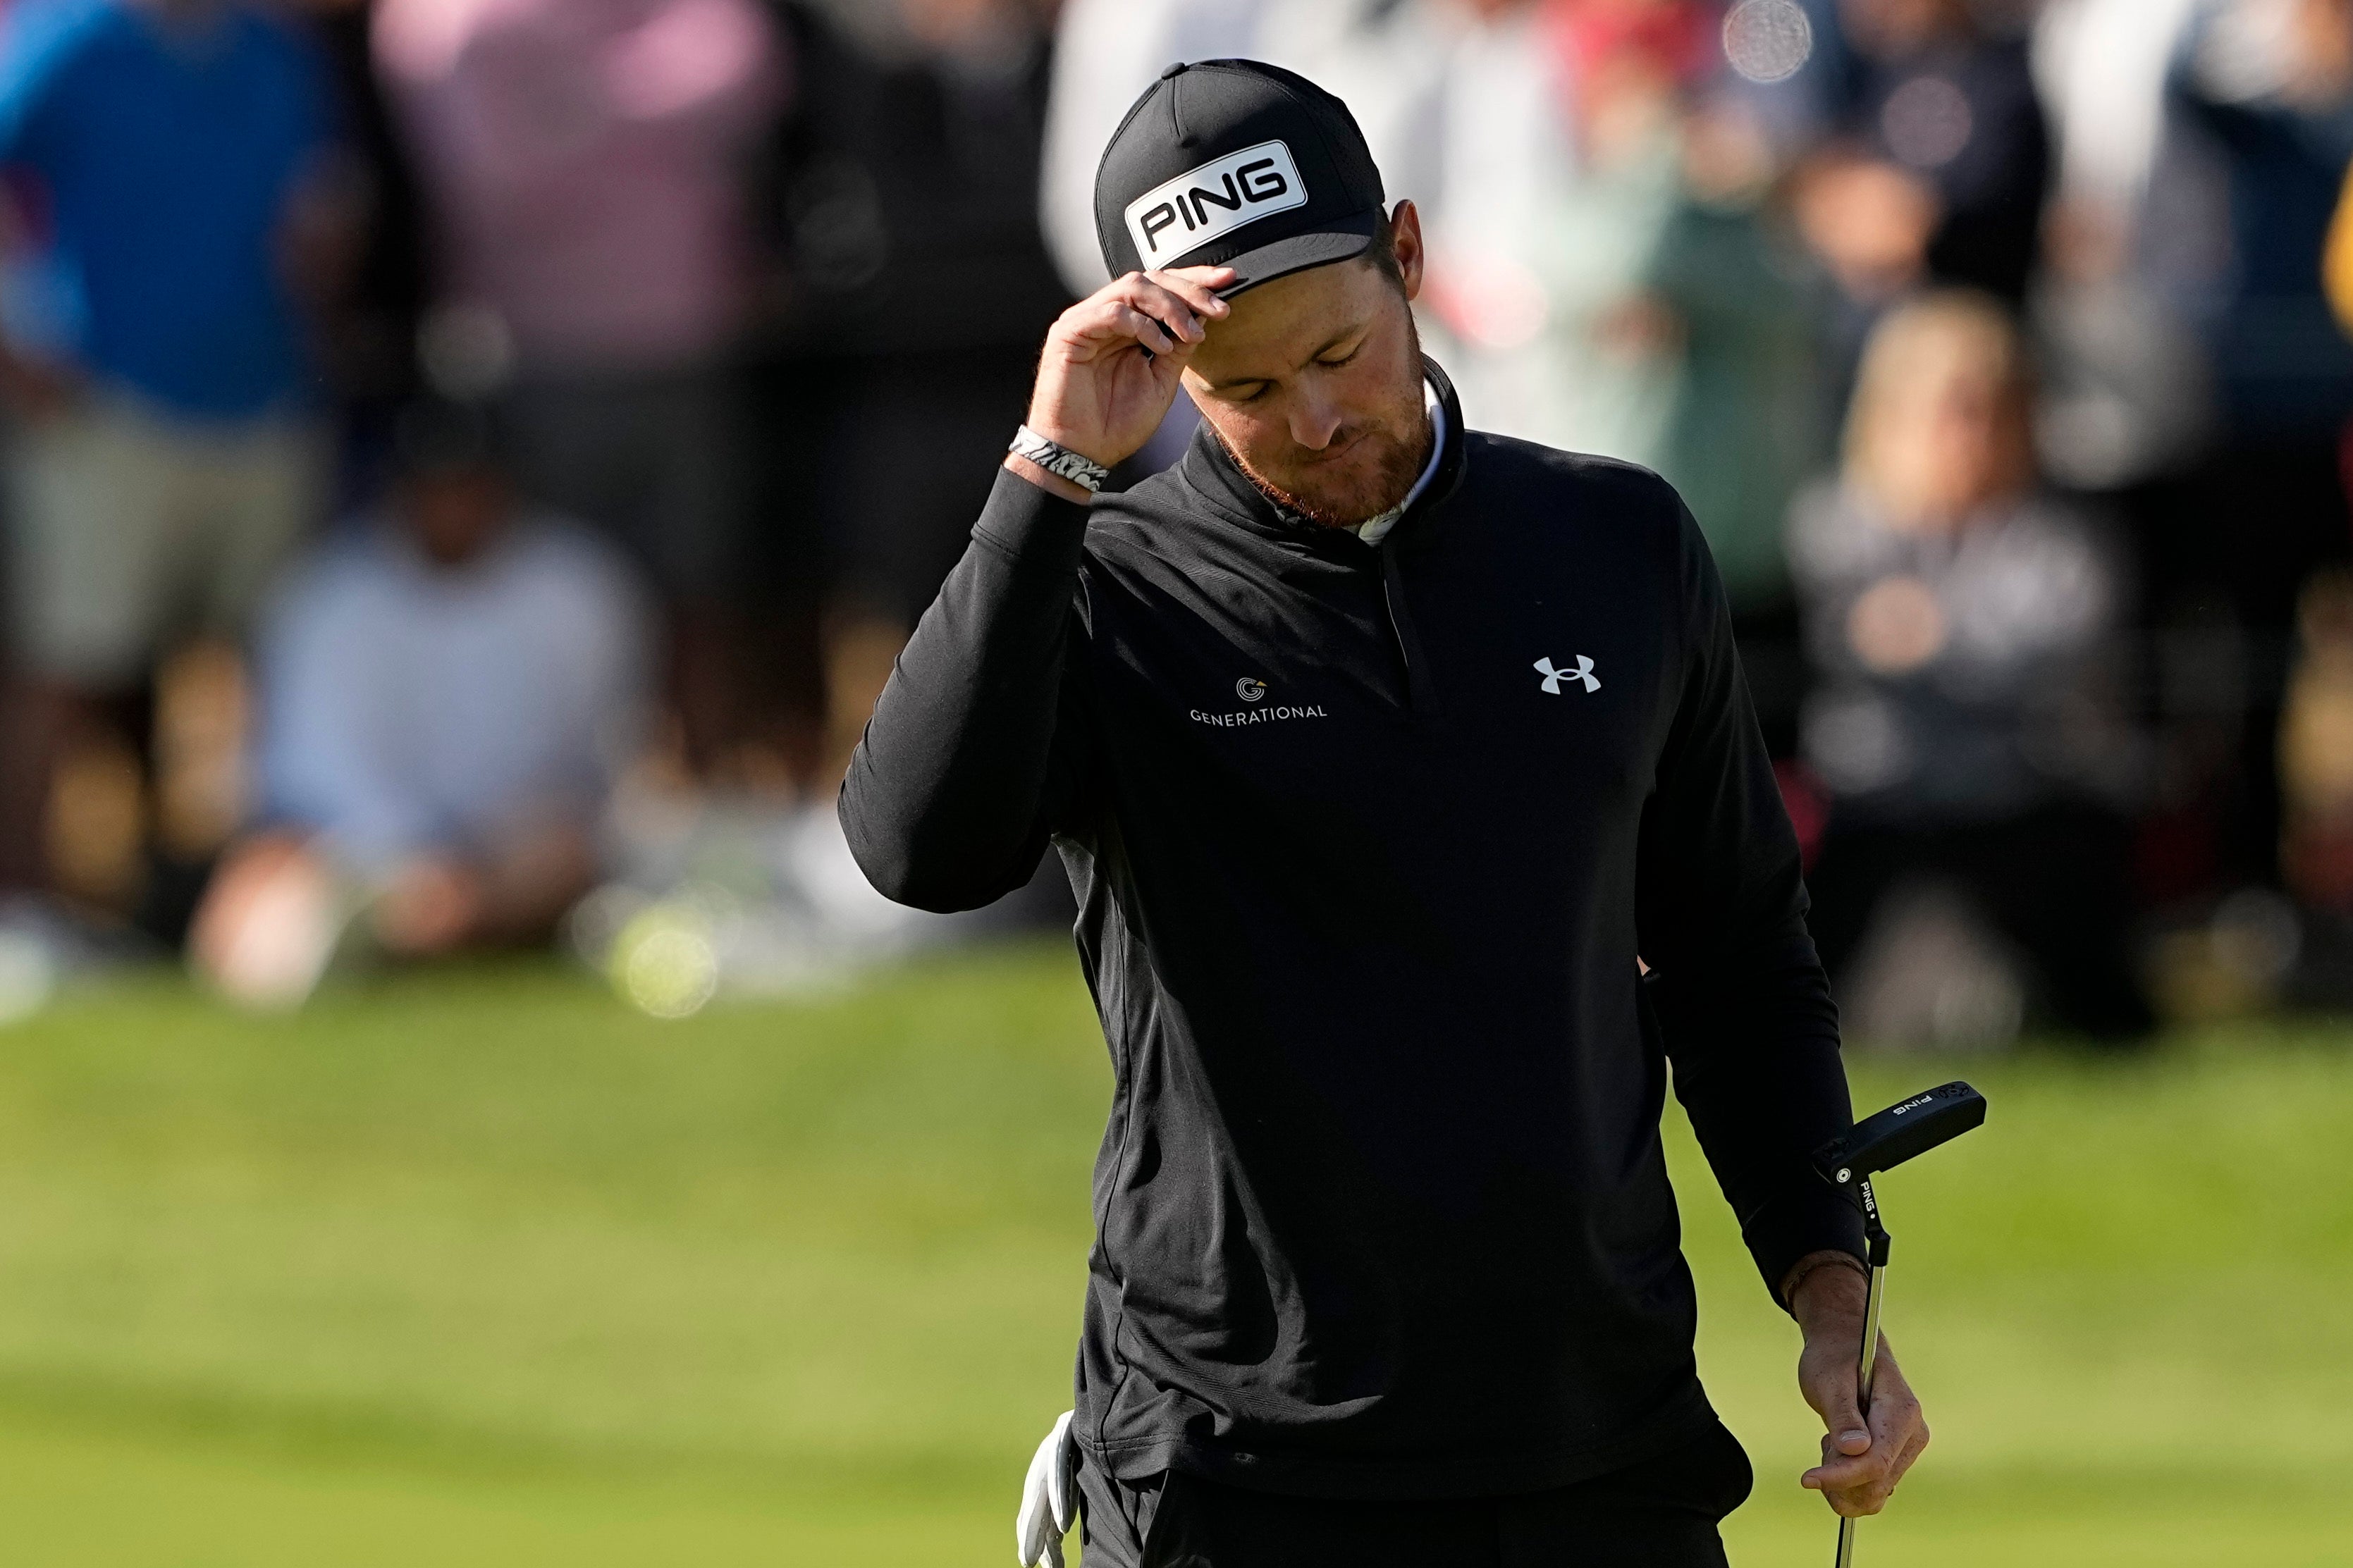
x=904, y=209
x=175, y=201
x=1962, y=625
x=1746, y=430
x=1941, y=166
x=1939, y=96
x=2136, y=224
x=582, y=164
x=2278, y=100
x=2268, y=88
x=1502, y=152
x=2123, y=388
x=447, y=694
x=1604, y=276
x=1746, y=425
x=1560, y=176
x=2102, y=65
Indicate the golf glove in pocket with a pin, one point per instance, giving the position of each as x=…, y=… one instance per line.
x=1049, y=1498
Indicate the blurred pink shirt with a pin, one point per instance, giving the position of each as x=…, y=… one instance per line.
x=582, y=158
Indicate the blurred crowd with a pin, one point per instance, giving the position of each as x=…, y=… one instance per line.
x=470, y=464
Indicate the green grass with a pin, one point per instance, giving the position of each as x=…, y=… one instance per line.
x=483, y=1268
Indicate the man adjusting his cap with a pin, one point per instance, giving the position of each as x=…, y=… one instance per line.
x=1383, y=756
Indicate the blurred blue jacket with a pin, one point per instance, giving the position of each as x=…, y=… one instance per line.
x=163, y=155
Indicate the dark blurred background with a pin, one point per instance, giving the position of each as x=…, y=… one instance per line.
x=470, y=464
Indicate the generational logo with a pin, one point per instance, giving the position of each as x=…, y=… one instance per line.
x=1214, y=200
x=1552, y=677
x=1251, y=689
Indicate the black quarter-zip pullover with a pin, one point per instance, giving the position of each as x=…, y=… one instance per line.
x=1367, y=843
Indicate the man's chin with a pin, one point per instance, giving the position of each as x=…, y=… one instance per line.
x=1350, y=491
x=1342, y=505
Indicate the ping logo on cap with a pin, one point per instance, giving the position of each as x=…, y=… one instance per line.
x=1214, y=200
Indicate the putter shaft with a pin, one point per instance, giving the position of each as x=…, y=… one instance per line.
x=1878, y=1241
x=1870, y=1359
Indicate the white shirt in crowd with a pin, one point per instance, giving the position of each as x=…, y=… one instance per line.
x=409, y=707
x=2101, y=67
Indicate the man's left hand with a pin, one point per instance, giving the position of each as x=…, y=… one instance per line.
x=1862, y=1460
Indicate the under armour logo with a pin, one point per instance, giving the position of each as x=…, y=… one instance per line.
x=1552, y=677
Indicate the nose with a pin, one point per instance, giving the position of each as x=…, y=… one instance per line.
x=1314, y=423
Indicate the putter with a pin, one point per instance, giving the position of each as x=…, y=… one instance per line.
x=1879, y=1144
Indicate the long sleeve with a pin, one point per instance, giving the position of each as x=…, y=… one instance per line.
x=1739, y=992
x=973, y=755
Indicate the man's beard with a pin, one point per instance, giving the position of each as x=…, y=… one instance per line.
x=1401, y=451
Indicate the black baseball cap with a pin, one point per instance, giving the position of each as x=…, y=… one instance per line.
x=1235, y=163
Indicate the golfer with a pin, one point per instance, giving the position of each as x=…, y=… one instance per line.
x=1407, y=782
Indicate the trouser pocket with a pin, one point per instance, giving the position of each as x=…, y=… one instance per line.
x=1156, y=1513
x=1117, y=1518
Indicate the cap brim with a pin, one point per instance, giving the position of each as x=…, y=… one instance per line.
x=1343, y=239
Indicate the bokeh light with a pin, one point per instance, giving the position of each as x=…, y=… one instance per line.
x=665, y=962
x=1767, y=40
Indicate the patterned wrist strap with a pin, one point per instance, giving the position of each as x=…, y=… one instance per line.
x=1059, y=461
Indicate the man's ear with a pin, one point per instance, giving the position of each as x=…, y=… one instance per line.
x=1405, y=233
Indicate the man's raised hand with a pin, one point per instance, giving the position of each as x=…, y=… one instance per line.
x=1111, y=364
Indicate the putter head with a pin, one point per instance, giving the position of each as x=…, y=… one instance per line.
x=1913, y=1126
